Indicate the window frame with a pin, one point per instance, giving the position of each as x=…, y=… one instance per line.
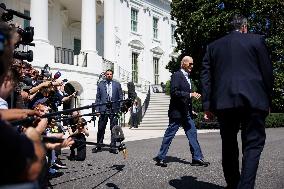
x=156, y=70
x=134, y=19
x=134, y=66
x=155, y=27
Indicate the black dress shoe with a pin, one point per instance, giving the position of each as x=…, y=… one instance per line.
x=113, y=151
x=160, y=162
x=96, y=149
x=199, y=162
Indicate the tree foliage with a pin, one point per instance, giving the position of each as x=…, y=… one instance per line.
x=200, y=22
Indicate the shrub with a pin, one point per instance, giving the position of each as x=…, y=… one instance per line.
x=201, y=124
x=274, y=120
x=168, y=87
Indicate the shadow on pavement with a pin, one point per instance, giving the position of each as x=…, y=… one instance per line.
x=116, y=168
x=176, y=159
x=111, y=185
x=186, y=182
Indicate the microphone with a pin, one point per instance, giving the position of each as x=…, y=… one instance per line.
x=13, y=12
x=19, y=14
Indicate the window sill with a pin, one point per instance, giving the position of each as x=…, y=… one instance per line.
x=156, y=40
x=135, y=33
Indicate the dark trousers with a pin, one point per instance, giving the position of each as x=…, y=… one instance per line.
x=191, y=134
x=134, y=120
x=102, y=127
x=81, y=147
x=252, y=125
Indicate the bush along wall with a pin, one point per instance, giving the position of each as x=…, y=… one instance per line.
x=273, y=120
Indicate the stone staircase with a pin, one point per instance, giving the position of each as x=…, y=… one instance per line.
x=156, y=116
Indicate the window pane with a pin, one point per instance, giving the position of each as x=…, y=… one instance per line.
x=155, y=27
x=134, y=20
x=156, y=70
x=26, y=22
x=77, y=46
x=135, y=67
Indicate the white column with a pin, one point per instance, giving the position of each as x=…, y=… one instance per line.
x=88, y=26
x=43, y=52
x=109, y=41
x=39, y=20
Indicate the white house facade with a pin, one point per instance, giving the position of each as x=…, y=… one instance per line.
x=82, y=38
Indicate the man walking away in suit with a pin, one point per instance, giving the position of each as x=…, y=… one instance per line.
x=107, y=90
x=237, y=82
x=180, y=114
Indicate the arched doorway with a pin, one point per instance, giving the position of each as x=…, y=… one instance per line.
x=70, y=88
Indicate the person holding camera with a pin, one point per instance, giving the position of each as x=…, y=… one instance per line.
x=107, y=91
x=78, y=130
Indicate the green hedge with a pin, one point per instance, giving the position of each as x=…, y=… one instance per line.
x=273, y=120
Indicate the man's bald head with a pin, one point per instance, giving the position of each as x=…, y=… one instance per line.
x=187, y=63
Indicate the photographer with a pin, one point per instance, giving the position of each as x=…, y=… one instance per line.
x=78, y=130
x=10, y=81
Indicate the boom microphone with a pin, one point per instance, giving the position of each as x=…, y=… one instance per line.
x=9, y=15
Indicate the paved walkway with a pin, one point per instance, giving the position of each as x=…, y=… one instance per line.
x=110, y=171
x=137, y=134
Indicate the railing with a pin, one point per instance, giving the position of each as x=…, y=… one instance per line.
x=107, y=64
x=64, y=55
x=124, y=75
x=144, y=84
x=144, y=107
x=158, y=88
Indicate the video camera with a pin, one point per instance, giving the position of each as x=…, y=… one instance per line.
x=22, y=55
x=26, y=35
x=9, y=14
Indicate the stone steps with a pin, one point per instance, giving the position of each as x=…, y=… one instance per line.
x=156, y=117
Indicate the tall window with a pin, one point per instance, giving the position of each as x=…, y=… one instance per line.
x=156, y=70
x=173, y=28
x=155, y=27
x=134, y=19
x=134, y=67
x=77, y=46
x=26, y=22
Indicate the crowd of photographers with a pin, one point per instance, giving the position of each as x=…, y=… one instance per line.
x=25, y=92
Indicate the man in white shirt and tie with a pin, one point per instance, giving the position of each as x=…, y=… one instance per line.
x=180, y=114
x=107, y=91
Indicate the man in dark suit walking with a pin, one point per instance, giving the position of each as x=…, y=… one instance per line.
x=180, y=114
x=107, y=90
x=237, y=82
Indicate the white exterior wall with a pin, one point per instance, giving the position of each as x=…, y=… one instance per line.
x=62, y=30
x=55, y=25
x=146, y=10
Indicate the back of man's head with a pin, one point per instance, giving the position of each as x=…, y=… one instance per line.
x=239, y=21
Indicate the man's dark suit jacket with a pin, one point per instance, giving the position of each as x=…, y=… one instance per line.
x=102, y=96
x=180, y=103
x=237, y=72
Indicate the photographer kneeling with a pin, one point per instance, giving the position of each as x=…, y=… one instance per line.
x=78, y=130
